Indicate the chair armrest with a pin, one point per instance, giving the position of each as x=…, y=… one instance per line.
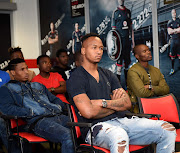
x=80, y=124
x=143, y=115
x=7, y=117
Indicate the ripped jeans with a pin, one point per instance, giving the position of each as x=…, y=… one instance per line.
x=135, y=131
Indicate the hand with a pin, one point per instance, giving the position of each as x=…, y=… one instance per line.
x=117, y=94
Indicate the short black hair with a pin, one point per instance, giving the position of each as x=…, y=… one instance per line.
x=62, y=50
x=41, y=56
x=85, y=37
x=13, y=63
x=12, y=50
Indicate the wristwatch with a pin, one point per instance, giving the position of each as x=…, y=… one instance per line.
x=150, y=87
x=104, y=103
x=52, y=89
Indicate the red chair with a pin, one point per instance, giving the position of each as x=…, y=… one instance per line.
x=23, y=138
x=80, y=146
x=167, y=106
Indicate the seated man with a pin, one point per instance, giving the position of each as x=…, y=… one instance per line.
x=36, y=105
x=17, y=53
x=99, y=98
x=143, y=79
x=53, y=81
x=62, y=67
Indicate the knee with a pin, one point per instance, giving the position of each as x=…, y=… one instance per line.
x=122, y=146
x=168, y=127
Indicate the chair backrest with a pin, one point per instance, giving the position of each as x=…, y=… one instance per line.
x=15, y=122
x=77, y=128
x=167, y=106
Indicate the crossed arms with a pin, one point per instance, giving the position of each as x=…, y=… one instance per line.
x=93, y=108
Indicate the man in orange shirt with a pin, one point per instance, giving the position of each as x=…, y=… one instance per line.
x=53, y=81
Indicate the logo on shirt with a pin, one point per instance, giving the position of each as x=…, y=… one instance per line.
x=119, y=15
x=125, y=25
x=108, y=84
x=0, y=80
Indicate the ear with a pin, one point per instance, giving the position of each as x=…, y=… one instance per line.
x=38, y=66
x=83, y=51
x=12, y=72
x=57, y=59
x=137, y=56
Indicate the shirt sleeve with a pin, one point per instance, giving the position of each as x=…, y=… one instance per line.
x=75, y=85
x=113, y=22
x=136, y=84
x=60, y=78
x=9, y=107
x=162, y=88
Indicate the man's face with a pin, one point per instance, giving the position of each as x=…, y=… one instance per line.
x=76, y=26
x=173, y=13
x=17, y=54
x=93, y=49
x=52, y=26
x=144, y=54
x=21, y=72
x=121, y=2
x=63, y=58
x=45, y=64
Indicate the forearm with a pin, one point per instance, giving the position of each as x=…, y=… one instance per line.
x=121, y=104
x=60, y=90
x=161, y=90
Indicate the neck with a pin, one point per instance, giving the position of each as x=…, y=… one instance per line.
x=90, y=67
x=174, y=18
x=45, y=74
x=62, y=66
x=144, y=64
x=121, y=6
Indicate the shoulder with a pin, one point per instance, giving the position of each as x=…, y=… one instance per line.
x=105, y=71
x=4, y=73
x=135, y=67
x=36, y=78
x=154, y=68
x=170, y=21
x=55, y=75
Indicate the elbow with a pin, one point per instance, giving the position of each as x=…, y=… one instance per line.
x=88, y=115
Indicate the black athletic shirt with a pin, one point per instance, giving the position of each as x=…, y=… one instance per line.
x=174, y=25
x=121, y=21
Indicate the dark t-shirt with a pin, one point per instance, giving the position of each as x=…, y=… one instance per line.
x=174, y=25
x=82, y=82
x=121, y=21
x=76, y=35
x=65, y=73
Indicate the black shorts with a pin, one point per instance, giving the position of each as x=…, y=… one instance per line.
x=174, y=48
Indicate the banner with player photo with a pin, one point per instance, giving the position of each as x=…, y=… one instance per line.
x=105, y=21
x=58, y=25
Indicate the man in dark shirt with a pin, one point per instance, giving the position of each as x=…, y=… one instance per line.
x=174, y=32
x=62, y=67
x=76, y=38
x=121, y=21
x=99, y=98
